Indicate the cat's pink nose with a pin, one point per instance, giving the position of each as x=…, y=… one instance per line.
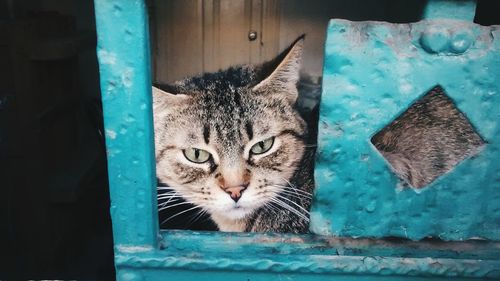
x=236, y=191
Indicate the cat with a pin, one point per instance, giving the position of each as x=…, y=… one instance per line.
x=428, y=139
x=233, y=144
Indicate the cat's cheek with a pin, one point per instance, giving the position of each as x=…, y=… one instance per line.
x=283, y=158
x=294, y=157
x=178, y=175
x=162, y=172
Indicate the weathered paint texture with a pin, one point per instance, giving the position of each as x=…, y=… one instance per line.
x=374, y=71
x=204, y=256
x=349, y=115
x=123, y=52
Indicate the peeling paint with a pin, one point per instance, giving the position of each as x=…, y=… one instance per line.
x=127, y=77
x=111, y=134
x=106, y=57
x=133, y=249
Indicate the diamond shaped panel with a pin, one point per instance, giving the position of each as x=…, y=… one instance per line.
x=429, y=139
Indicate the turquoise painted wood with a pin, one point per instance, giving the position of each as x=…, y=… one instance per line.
x=142, y=252
x=123, y=53
x=373, y=72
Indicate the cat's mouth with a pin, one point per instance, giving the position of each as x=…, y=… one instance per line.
x=237, y=211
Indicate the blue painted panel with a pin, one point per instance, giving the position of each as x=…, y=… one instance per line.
x=123, y=52
x=374, y=71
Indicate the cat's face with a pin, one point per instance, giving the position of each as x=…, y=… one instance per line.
x=230, y=149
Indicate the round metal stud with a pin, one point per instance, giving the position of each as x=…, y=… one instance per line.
x=252, y=35
x=461, y=42
x=435, y=40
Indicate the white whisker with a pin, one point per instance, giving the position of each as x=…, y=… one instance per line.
x=299, y=194
x=294, y=203
x=289, y=183
x=164, y=196
x=172, y=197
x=169, y=198
x=172, y=194
x=293, y=187
x=272, y=208
x=290, y=193
x=174, y=205
x=163, y=204
x=180, y=213
x=283, y=204
x=294, y=195
x=295, y=190
x=197, y=216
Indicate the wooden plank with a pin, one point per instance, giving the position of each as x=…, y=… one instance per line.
x=195, y=36
x=254, y=23
x=270, y=30
x=180, y=37
x=233, y=29
x=210, y=38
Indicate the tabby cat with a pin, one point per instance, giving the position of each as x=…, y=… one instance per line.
x=232, y=144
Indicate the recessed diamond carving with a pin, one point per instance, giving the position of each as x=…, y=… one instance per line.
x=429, y=139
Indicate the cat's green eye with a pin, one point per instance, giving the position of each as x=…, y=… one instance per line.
x=262, y=146
x=196, y=155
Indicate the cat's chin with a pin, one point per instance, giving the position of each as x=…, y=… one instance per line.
x=236, y=213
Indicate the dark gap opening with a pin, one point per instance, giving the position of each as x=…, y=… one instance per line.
x=487, y=12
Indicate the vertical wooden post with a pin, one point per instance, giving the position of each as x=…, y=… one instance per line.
x=446, y=9
x=124, y=61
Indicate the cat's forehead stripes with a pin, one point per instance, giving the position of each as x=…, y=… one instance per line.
x=206, y=133
x=224, y=111
x=249, y=129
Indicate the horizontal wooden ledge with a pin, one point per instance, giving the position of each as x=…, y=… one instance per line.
x=317, y=254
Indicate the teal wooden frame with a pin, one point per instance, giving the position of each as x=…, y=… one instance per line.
x=142, y=252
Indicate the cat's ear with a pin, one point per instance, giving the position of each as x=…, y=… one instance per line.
x=163, y=98
x=283, y=79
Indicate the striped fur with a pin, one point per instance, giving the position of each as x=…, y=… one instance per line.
x=226, y=113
